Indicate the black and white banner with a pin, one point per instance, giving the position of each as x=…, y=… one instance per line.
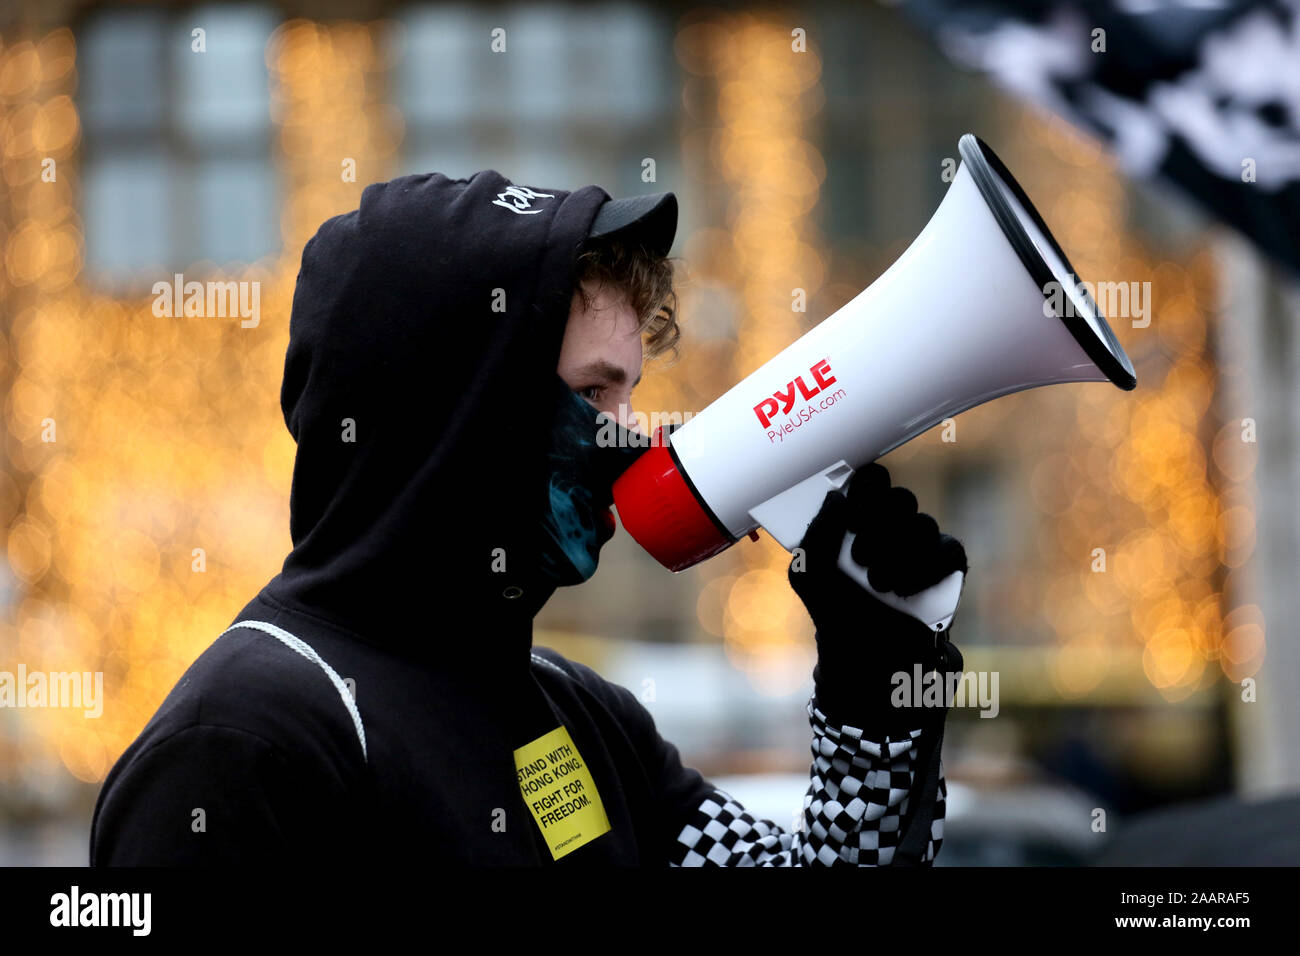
x=1205, y=94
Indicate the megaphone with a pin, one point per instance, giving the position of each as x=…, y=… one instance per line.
x=912, y=349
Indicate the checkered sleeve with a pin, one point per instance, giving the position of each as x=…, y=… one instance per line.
x=858, y=794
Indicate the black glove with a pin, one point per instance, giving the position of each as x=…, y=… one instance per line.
x=862, y=642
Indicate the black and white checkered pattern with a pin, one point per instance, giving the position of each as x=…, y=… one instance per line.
x=851, y=812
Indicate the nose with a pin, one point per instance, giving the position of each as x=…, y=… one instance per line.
x=625, y=415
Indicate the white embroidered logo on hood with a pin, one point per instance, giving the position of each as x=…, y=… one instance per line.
x=517, y=200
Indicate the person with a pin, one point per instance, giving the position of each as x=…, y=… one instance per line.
x=455, y=346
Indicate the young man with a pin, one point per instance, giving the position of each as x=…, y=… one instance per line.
x=452, y=346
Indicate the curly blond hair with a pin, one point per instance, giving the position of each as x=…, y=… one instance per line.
x=647, y=279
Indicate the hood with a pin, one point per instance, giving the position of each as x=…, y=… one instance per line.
x=419, y=385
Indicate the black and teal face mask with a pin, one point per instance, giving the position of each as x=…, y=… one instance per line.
x=588, y=451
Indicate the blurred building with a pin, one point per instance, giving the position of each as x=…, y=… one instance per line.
x=1113, y=540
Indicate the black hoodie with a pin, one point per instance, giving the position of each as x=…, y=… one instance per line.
x=375, y=715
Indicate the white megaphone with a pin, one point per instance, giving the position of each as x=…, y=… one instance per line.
x=912, y=349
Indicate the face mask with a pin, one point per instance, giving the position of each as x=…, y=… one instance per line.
x=588, y=451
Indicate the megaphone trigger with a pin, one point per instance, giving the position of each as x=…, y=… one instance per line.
x=934, y=607
x=786, y=516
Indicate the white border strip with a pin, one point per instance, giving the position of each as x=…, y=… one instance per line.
x=306, y=650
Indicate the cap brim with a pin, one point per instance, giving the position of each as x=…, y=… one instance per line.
x=650, y=220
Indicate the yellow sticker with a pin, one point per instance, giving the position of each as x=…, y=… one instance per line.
x=559, y=790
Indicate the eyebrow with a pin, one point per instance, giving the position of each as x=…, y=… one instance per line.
x=608, y=371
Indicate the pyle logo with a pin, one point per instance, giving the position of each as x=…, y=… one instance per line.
x=783, y=398
x=518, y=199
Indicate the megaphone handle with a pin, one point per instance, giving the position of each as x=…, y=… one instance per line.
x=934, y=607
x=786, y=517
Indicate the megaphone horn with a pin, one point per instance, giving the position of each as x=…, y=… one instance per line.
x=907, y=352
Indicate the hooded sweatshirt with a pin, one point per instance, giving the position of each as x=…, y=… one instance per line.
x=381, y=700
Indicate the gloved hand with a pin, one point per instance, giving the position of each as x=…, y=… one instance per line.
x=862, y=642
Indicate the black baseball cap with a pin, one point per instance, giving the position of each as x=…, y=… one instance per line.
x=650, y=220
